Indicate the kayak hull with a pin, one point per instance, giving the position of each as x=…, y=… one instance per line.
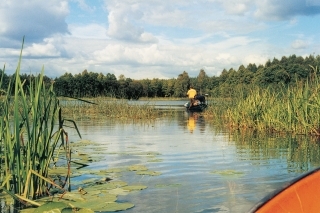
x=300, y=195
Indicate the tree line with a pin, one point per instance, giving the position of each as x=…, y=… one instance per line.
x=274, y=74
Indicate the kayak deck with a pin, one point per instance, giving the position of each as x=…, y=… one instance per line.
x=300, y=196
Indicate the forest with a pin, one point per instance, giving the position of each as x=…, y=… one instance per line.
x=276, y=74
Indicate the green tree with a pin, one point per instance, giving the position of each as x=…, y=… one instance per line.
x=202, y=82
x=182, y=85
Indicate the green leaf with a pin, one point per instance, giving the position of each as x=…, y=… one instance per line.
x=52, y=207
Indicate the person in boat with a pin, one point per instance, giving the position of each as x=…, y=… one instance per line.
x=191, y=94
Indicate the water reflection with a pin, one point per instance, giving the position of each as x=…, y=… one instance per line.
x=195, y=120
x=192, y=122
x=301, y=152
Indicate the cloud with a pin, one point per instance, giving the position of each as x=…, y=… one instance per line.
x=283, y=10
x=124, y=23
x=236, y=7
x=299, y=44
x=34, y=19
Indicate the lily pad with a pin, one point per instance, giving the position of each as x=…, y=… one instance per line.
x=58, y=171
x=155, y=160
x=151, y=173
x=53, y=207
x=111, y=170
x=75, y=210
x=118, y=191
x=134, y=187
x=138, y=168
x=113, y=206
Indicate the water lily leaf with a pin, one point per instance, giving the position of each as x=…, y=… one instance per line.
x=58, y=171
x=138, y=168
x=112, y=170
x=53, y=207
x=134, y=187
x=118, y=191
x=95, y=203
x=91, y=180
x=113, y=206
x=151, y=173
x=74, y=196
x=75, y=210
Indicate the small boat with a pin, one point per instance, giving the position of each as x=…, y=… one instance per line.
x=299, y=196
x=200, y=104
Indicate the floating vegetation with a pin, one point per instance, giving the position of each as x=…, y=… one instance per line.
x=111, y=170
x=150, y=173
x=155, y=160
x=137, y=168
x=91, y=197
x=134, y=187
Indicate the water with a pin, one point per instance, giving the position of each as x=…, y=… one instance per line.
x=203, y=169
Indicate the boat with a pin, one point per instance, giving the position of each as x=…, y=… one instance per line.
x=298, y=196
x=200, y=104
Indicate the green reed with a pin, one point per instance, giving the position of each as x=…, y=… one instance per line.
x=109, y=108
x=31, y=127
x=294, y=109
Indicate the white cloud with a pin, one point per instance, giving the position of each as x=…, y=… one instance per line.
x=299, y=44
x=42, y=50
x=124, y=23
x=236, y=7
x=34, y=19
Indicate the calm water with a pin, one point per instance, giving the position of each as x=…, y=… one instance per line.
x=203, y=168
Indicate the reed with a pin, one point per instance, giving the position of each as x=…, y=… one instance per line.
x=31, y=128
x=105, y=108
x=294, y=109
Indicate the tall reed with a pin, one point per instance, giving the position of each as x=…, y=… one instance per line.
x=31, y=127
x=294, y=109
x=107, y=108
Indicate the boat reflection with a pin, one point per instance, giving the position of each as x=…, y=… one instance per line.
x=195, y=121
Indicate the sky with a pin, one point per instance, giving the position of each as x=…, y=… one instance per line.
x=146, y=39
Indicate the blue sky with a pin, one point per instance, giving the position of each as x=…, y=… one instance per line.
x=154, y=38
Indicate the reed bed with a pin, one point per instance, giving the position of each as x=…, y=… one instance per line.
x=295, y=110
x=107, y=108
x=31, y=128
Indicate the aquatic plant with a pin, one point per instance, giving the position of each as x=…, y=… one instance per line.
x=31, y=127
x=294, y=109
x=109, y=108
